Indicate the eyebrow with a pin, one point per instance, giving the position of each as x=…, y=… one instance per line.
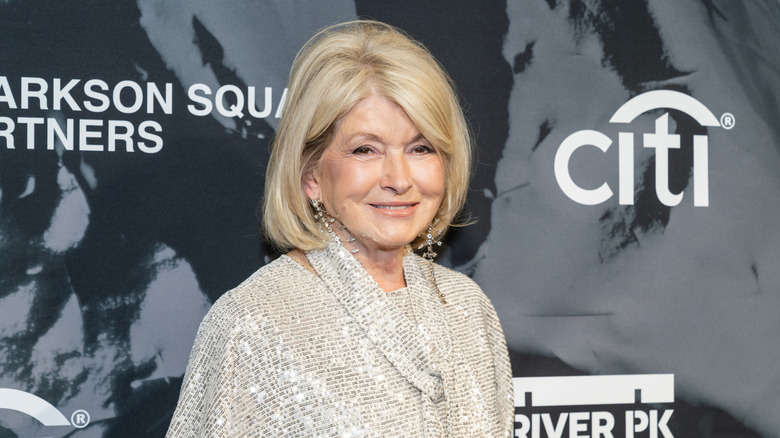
x=374, y=137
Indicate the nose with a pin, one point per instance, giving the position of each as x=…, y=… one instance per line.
x=396, y=175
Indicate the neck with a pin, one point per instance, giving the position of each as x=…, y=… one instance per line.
x=385, y=267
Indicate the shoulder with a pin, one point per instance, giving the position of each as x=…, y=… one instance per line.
x=256, y=295
x=460, y=287
x=456, y=282
x=446, y=274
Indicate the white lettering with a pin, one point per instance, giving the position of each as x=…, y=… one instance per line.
x=193, y=94
x=579, y=425
x=602, y=424
x=201, y=104
x=281, y=104
x=114, y=135
x=59, y=93
x=6, y=95
x=66, y=138
x=7, y=133
x=154, y=95
x=662, y=141
x=554, y=430
x=157, y=141
x=701, y=175
x=252, y=107
x=30, y=122
x=561, y=167
x=86, y=137
x=138, y=97
x=40, y=93
x=235, y=109
x=527, y=425
x=578, y=422
x=636, y=421
x=640, y=421
x=126, y=97
x=85, y=134
x=102, y=99
x=626, y=168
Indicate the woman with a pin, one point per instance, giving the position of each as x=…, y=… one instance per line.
x=350, y=333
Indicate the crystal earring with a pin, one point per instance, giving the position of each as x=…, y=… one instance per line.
x=429, y=255
x=326, y=220
x=430, y=241
x=321, y=216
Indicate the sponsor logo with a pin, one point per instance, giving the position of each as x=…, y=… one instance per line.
x=40, y=409
x=33, y=112
x=593, y=406
x=661, y=140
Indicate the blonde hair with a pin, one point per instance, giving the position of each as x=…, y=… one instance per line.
x=333, y=71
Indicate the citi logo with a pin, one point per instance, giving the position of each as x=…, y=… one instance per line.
x=40, y=409
x=661, y=140
x=589, y=406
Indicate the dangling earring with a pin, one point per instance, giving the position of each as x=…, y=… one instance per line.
x=430, y=241
x=325, y=219
x=429, y=254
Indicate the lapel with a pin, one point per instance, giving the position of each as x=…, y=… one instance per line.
x=409, y=348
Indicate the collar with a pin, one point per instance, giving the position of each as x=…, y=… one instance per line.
x=410, y=348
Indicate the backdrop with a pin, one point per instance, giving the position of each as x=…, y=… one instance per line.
x=626, y=191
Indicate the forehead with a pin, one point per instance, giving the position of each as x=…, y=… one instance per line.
x=377, y=116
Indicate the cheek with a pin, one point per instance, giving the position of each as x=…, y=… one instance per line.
x=431, y=178
x=347, y=183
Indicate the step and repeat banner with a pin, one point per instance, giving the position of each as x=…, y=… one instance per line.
x=626, y=191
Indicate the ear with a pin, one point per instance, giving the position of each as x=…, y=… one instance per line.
x=311, y=186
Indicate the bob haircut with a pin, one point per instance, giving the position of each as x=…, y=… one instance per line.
x=335, y=69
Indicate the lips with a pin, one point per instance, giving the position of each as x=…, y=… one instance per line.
x=396, y=209
x=394, y=206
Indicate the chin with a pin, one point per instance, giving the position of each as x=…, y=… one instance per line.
x=394, y=244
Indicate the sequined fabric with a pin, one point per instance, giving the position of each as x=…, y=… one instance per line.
x=290, y=354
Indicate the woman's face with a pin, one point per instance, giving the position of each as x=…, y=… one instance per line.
x=379, y=177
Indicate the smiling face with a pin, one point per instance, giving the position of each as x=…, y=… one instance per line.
x=379, y=177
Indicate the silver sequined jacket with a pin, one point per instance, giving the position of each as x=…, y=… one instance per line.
x=288, y=353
